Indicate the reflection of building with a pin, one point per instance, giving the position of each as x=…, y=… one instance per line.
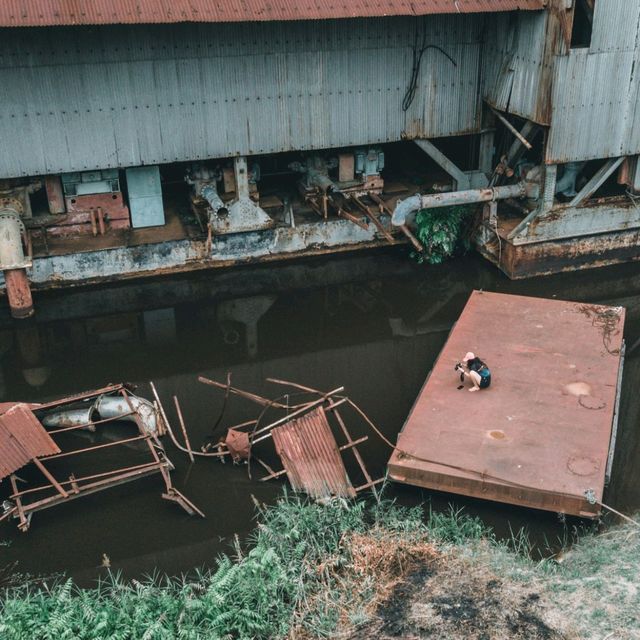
x=282, y=120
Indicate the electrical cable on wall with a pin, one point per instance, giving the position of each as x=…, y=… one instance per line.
x=415, y=70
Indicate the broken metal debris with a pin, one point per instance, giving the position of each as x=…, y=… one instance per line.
x=304, y=439
x=31, y=432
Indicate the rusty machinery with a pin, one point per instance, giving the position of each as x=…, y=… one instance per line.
x=236, y=209
x=36, y=434
x=341, y=182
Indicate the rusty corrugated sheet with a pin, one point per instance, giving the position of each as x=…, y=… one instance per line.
x=24, y=13
x=310, y=456
x=22, y=438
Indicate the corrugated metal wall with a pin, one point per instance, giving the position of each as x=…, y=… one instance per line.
x=114, y=96
x=515, y=63
x=596, y=90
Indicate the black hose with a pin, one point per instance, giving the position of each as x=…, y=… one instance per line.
x=415, y=70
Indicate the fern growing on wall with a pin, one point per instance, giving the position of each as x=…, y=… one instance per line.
x=442, y=232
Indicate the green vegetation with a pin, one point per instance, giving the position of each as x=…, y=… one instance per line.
x=441, y=232
x=299, y=573
x=325, y=571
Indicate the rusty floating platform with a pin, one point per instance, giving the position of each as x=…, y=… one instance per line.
x=542, y=434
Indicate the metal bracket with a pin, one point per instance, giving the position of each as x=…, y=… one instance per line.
x=596, y=181
x=461, y=178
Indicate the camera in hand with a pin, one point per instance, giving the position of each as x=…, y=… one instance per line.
x=458, y=366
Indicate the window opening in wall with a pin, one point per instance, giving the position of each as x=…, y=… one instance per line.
x=582, y=24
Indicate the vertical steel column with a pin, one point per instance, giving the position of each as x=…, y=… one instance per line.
x=242, y=177
x=549, y=188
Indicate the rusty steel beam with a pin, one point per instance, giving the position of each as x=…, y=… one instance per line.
x=74, y=481
x=55, y=196
x=461, y=179
x=300, y=411
x=511, y=128
x=596, y=181
x=100, y=485
x=184, y=428
x=65, y=454
x=50, y=478
x=79, y=396
x=18, y=293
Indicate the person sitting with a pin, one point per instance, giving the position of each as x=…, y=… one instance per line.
x=476, y=370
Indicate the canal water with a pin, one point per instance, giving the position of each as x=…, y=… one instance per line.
x=372, y=322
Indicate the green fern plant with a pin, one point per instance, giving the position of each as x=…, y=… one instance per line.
x=441, y=232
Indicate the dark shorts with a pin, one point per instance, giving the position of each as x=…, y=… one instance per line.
x=485, y=378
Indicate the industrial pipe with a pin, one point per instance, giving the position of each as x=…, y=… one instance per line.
x=210, y=194
x=14, y=263
x=83, y=416
x=118, y=407
x=472, y=196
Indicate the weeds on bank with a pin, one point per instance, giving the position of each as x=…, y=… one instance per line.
x=311, y=570
x=309, y=567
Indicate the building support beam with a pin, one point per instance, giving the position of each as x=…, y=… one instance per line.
x=596, y=181
x=462, y=181
x=516, y=150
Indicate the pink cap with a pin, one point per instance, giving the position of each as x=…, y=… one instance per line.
x=469, y=356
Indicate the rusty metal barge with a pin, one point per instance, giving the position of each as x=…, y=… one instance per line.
x=543, y=434
x=191, y=135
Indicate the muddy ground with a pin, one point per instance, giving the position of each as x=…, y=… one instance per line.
x=449, y=598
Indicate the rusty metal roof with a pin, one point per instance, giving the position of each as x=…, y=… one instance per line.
x=310, y=456
x=22, y=438
x=26, y=13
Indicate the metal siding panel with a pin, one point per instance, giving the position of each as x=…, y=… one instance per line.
x=61, y=12
x=591, y=96
x=310, y=456
x=199, y=91
x=615, y=25
x=514, y=64
x=632, y=140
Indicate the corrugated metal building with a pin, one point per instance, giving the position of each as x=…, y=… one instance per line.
x=135, y=84
x=107, y=96
x=595, y=90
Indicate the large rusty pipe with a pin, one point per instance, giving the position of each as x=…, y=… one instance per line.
x=13, y=263
x=210, y=194
x=472, y=196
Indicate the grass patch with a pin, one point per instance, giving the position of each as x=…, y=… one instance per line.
x=352, y=569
